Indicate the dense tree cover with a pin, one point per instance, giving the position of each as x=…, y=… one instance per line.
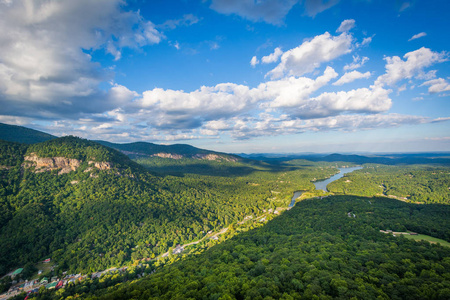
x=385, y=159
x=19, y=134
x=73, y=147
x=11, y=156
x=313, y=251
x=184, y=166
x=417, y=183
x=144, y=149
x=91, y=219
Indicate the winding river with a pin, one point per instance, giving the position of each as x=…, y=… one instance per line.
x=322, y=184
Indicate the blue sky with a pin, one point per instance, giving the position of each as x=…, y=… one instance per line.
x=234, y=76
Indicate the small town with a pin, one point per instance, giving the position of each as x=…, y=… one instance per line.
x=35, y=285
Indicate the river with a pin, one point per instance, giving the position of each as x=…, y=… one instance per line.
x=296, y=195
x=322, y=184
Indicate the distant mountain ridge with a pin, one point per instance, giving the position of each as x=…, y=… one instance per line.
x=24, y=135
x=20, y=134
x=386, y=159
x=177, y=151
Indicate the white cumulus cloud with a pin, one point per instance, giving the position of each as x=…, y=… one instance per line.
x=273, y=57
x=43, y=48
x=351, y=76
x=364, y=100
x=358, y=62
x=437, y=85
x=413, y=65
x=346, y=25
x=311, y=54
x=292, y=95
x=254, y=61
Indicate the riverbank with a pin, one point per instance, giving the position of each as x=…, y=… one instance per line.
x=322, y=184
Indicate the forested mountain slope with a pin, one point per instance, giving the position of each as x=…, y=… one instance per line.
x=177, y=151
x=320, y=249
x=20, y=134
x=89, y=207
x=412, y=183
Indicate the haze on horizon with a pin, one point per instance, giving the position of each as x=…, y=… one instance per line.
x=232, y=76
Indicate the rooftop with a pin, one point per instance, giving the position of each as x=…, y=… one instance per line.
x=18, y=271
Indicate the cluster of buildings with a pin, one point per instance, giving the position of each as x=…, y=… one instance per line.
x=33, y=286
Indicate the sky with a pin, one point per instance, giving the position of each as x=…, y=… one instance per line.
x=241, y=76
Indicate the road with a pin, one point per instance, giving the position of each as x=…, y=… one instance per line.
x=200, y=240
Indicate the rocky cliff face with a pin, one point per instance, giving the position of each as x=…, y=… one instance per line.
x=196, y=156
x=215, y=157
x=43, y=164
x=168, y=155
x=63, y=164
x=102, y=165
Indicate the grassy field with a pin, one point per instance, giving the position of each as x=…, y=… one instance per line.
x=427, y=238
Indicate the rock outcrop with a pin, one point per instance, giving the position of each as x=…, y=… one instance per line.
x=101, y=165
x=197, y=156
x=168, y=155
x=63, y=164
x=215, y=157
x=42, y=164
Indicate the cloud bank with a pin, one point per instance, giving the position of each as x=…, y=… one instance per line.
x=45, y=67
x=47, y=73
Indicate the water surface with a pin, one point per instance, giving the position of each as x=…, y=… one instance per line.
x=296, y=195
x=322, y=184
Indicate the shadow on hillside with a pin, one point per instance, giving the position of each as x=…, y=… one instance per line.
x=206, y=169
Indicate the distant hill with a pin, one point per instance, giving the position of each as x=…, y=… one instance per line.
x=20, y=134
x=177, y=151
x=386, y=159
x=70, y=195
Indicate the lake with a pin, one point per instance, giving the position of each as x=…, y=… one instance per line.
x=322, y=184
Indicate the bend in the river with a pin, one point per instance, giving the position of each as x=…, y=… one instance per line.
x=322, y=184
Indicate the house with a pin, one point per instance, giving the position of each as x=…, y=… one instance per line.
x=60, y=284
x=44, y=280
x=46, y=260
x=29, y=285
x=16, y=272
x=178, y=249
x=51, y=285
